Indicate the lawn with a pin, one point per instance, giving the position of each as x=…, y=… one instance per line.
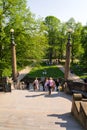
x=46, y=71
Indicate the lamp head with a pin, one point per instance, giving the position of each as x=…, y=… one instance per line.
x=12, y=30
x=69, y=30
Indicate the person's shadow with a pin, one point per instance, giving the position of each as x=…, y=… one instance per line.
x=59, y=94
x=37, y=95
x=53, y=95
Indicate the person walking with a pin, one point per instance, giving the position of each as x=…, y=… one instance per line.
x=51, y=85
x=46, y=84
x=57, y=84
x=42, y=82
x=36, y=84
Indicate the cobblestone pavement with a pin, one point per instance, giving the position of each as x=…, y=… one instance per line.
x=29, y=110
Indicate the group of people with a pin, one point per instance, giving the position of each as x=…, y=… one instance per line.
x=48, y=84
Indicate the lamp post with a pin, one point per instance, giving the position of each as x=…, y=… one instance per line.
x=14, y=68
x=68, y=50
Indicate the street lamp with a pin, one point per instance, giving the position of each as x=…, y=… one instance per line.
x=68, y=50
x=14, y=68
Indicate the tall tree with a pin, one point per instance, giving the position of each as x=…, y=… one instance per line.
x=53, y=25
x=38, y=41
x=76, y=42
x=83, y=57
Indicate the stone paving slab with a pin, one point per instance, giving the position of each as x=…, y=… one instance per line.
x=28, y=110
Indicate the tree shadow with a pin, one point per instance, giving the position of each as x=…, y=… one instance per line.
x=67, y=121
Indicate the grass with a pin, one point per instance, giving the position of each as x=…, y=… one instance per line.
x=51, y=71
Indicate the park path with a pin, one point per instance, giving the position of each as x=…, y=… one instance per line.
x=29, y=110
x=24, y=72
x=72, y=76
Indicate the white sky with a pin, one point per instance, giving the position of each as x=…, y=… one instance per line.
x=62, y=9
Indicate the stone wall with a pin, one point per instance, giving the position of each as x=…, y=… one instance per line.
x=71, y=87
x=79, y=109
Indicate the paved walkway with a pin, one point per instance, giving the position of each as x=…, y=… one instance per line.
x=23, y=72
x=72, y=76
x=28, y=110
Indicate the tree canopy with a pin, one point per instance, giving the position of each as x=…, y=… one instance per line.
x=37, y=38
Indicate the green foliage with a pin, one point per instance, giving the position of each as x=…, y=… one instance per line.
x=5, y=69
x=24, y=62
x=37, y=38
x=38, y=42
x=51, y=71
x=83, y=58
x=7, y=72
x=30, y=37
x=53, y=32
x=79, y=70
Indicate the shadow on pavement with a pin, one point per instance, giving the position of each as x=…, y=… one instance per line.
x=67, y=121
x=46, y=95
x=59, y=94
x=64, y=95
x=27, y=96
x=53, y=95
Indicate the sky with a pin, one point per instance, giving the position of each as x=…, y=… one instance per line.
x=62, y=9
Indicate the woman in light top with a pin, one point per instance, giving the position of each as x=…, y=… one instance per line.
x=36, y=84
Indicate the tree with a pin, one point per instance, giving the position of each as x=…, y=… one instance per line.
x=76, y=42
x=83, y=57
x=29, y=33
x=62, y=39
x=53, y=28
x=38, y=41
